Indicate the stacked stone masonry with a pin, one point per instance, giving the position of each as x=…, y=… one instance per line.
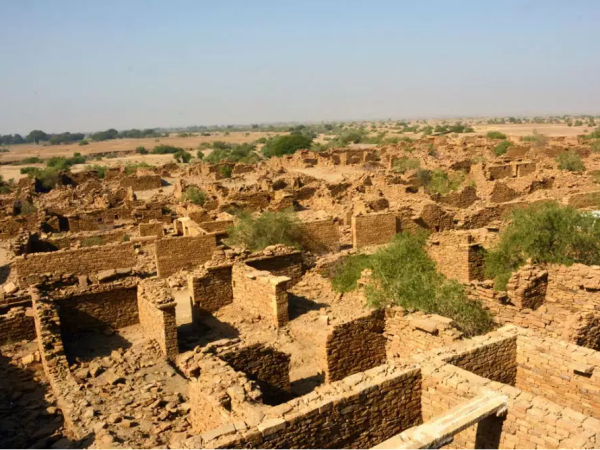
x=321, y=236
x=211, y=288
x=187, y=252
x=373, y=229
x=80, y=261
x=152, y=229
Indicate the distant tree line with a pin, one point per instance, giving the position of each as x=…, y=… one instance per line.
x=39, y=136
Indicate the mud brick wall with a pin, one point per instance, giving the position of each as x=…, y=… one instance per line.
x=525, y=168
x=188, y=252
x=211, y=289
x=287, y=265
x=141, y=182
x=80, y=261
x=564, y=373
x=12, y=226
x=356, y=346
x=152, y=229
x=321, y=236
x=156, y=309
x=378, y=404
x=457, y=256
x=527, y=287
x=16, y=324
x=373, y=229
x=496, y=360
x=112, y=309
x=267, y=366
x=261, y=294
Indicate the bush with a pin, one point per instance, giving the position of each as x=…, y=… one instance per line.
x=194, y=195
x=442, y=183
x=83, y=142
x=569, y=160
x=225, y=171
x=199, y=154
x=182, y=156
x=403, y=274
x=141, y=150
x=131, y=168
x=165, y=149
x=27, y=208
x=595, y=146
x=31, y=160
x=286, y=145
x=222, y=151
x=595, y=176
x=91, y=241
x=495, y=135
x=47, y=176
x=501, y=148
x=270, y=228
x=546, y=233
x=401, y=165
x=539, y=140
x=100, y=170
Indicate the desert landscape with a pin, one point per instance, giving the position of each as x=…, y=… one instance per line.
x=344, y=285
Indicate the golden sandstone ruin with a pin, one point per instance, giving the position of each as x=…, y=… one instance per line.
x=159, y=334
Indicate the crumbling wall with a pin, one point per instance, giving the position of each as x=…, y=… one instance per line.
x=285, y=265
x=411, y=334
x=457, y=256
x=16, y=324
x=377, y=405
x=211, y=288
x=156, y=308
x=188, y=252
x=267, y=366
x=152, y=229
x=141, y=182
x=496, y=360
x=261, y=294
x=356, y=346
x=81, y=261
x=111, y=308
x=84, y=239
x=217, y=226
x=564, y=373
x=373, y=229
x=321, y=236
x=527, y=287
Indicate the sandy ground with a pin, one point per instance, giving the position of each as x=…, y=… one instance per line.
x=553, y=130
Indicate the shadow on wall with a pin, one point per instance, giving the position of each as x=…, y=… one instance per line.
x=299, y=305
x=27, y=419
x=306, y=385
x=4, y=273
x=87, y=346
x=205, y=329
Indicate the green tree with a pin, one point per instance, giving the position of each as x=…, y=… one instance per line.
x=194, y=195
x=37, y=136
x=270, y=228
x=495, y=135
x=286, y=145
x=501, y=148
x=569, y=160
x=545, y=233
x=182, y=156
x=403, y=274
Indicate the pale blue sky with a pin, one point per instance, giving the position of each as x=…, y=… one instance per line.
x=84, y=65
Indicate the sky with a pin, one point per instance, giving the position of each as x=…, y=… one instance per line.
x=72, y=65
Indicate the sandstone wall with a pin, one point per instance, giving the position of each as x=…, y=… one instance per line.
x=156, y=309
x=321, y=236
x=112, y=309
x=80, y=261
x=16, y=324
x=141, y=182
x=564, y=373
x=261, y=294
x=356, y=346
x=287, y=265
x=211, y=288
x=152, y=229
x=373, y=229
x=270, y=368
x=188, y=252
x=457, y=256
x=377, y=405
x=496, y=360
